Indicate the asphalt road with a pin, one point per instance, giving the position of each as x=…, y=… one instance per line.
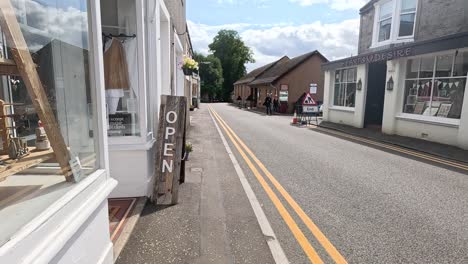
x=373, y=206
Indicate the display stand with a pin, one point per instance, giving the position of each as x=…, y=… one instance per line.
x=23, y=66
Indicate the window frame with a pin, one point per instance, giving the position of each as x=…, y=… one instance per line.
x=332, y=103
x=395, y=24
x=146, y=132
x=431, y=119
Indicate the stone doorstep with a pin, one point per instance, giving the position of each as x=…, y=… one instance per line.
x=128, y=227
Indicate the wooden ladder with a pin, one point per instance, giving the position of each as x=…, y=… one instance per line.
x=22, y=65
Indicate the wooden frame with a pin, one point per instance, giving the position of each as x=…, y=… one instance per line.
x=27, y=70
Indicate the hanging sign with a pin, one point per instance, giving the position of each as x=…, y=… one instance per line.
x=169, y=150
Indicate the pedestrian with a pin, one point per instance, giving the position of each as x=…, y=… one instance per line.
x=276, y=105
x=267, y=104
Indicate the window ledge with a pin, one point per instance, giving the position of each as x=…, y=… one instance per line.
x=342, y=108
x=50, y=230
x=440, y=121
x=133, y=146
x=390, y=42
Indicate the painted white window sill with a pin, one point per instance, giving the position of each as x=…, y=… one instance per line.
x=342, y=109
x=440, y=121
x=44, y=236
x=390, y=42
x=133, y=146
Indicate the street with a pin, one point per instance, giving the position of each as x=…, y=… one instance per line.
x=329, y=199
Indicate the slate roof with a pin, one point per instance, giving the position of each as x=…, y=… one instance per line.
x=256, y=72
x=283, y=67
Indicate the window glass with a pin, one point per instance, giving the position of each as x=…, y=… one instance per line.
x=444, y=66
x=385, y=21
x=427, y=67
x=57, y=39
x=408, y=6
x=385, y=29
x=461, y=64
x=121, y=67
x=406, y=25
x=386, y=10
x=345, y=87
x=436, y=92
x=412, y=69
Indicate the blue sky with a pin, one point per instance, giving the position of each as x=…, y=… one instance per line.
x=273, y=28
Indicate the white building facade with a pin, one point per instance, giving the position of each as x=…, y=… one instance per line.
x=410, y=77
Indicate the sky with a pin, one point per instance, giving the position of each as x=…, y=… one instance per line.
x=274, y=28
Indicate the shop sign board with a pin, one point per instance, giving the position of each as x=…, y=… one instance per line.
x=313, y=88
x=283, y=96
x=169, y=149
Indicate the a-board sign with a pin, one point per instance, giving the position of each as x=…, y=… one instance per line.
x=308, y=100
x=169, y=149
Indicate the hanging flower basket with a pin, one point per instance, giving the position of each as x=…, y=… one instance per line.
x=189, y=66
x=187, y=71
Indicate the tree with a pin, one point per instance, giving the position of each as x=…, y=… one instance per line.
x=211, y=75
x=229, y=48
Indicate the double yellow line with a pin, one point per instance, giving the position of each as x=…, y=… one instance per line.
x=296, y=231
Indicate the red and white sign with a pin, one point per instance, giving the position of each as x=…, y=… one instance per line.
x=308, y=100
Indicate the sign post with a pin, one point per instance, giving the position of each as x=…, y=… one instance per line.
x=310, y=107
x=169, y=150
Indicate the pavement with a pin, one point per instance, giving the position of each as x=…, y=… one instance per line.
x=433, y=148
x=213, y=221
x=374, y=206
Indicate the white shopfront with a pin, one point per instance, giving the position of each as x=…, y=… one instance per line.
x=133, y=113
x=423, y=96
x=46, y=217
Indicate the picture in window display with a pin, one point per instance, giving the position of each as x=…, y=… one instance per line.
x=435, y=86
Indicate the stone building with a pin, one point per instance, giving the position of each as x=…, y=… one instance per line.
x=410, y=75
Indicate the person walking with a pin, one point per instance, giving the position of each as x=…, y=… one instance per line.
x=267, y=104
x=276, y=105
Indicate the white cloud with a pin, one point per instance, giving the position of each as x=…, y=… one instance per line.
x=334, y=4
x=270, y=42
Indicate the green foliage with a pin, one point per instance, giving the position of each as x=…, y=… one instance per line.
x=229, y=48
x=211, y=75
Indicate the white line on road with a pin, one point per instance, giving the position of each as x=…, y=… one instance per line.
x=272, y=240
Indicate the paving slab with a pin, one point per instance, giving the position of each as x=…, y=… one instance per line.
x=213, y=222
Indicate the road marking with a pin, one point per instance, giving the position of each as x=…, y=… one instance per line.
x=327, y=245
x=276, y=250
x=401, y=150
x=300, y=237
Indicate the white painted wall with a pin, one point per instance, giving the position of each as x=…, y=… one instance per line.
x=345, y=115
x=394, y=122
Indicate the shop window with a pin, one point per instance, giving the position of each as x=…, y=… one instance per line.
x=31, y=178
x=345, y=87
x=439, y=92
x=121, y=67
